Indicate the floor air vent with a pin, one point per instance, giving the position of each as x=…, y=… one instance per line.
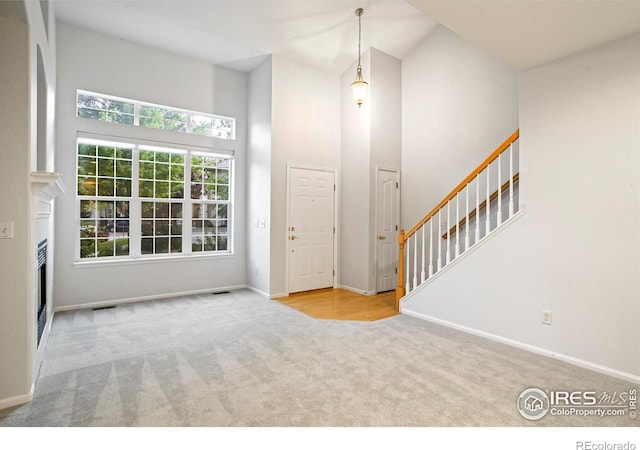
x=104, y=307
x=218, y=293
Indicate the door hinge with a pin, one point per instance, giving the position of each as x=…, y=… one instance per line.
x=396, y=227
x=334, y=230
x=334, y=188
x=334, y=272
x=396, y=270
x=397, y=185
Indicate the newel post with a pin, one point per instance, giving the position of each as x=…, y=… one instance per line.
x=400, y=288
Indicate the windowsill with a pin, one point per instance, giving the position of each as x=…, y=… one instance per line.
x=152, y=259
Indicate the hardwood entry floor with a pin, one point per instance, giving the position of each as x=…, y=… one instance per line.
x=340, y=304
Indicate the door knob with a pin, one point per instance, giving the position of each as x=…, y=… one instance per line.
x=380, y=238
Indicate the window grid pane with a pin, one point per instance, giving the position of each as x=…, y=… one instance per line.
x=161, y=226
x=105, y=109
x=209, y=178
x=104, y=228
x=209, y=227
x=161, y=175
x=104, y=170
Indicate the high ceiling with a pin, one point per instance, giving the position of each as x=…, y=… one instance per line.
x=240, y=33
x=323, y=33
x=528, y=33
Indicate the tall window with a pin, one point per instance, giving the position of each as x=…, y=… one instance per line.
x=161, y=187
x=210, y=197
x=104, y=189
x=137, y=201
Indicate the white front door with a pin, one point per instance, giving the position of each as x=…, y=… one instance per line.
x=387, y=185
x=311, y=229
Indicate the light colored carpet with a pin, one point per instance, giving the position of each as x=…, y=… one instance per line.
x=240, y=359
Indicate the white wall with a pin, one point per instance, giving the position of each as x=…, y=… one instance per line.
x=22, y=30
x=576, y=251
x=259, y=178
x=15, y=307
x=355, y=167
x=99, y=63
x=371, y=137
x=386, y=109
x=386, y=134
x=458, y=105
x=305, y=129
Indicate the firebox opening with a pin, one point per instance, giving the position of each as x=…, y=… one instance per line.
x=42, y=288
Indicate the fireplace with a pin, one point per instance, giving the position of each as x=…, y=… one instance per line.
x=45, y=187
x=42, y=288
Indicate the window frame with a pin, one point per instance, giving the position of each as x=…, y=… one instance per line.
x=135, y=202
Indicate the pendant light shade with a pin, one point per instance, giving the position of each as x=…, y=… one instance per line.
x=359, y=88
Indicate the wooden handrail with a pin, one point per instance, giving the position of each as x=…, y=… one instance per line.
x=474, y=173
x=404, y=237
x=481, y=206
x=400, y=291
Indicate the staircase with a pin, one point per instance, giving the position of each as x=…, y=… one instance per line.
x=481, y=204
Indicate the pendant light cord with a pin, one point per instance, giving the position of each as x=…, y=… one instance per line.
x=359, y=35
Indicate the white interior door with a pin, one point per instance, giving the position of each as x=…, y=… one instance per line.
x=311, y=229
x=386, y=229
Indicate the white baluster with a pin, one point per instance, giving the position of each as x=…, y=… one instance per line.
x=457, y=224
x=439, y=239
x=408, y=285
x=448, y=233
x=477, y=208
x=511, y=174
x=466, y=226
x=424, y=249
x=430, y=247
x=415, y=260
x=488, y=208
x=499, y=218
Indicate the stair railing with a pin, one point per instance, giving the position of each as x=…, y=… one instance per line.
x=424, y=253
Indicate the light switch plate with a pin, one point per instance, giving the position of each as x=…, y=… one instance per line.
x=6, y=230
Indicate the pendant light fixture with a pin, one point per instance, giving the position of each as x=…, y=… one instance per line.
x=359, y=87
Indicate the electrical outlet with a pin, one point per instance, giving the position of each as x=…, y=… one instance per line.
x=546, y=317
x=6, y=230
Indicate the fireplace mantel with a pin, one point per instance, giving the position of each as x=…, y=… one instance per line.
x=46, y=186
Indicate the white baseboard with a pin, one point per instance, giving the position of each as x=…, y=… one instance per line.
x=17, y=400
x=356, y=290
x=258, y=291
x=340, y=286
x=531, y=348
x=147, y=297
